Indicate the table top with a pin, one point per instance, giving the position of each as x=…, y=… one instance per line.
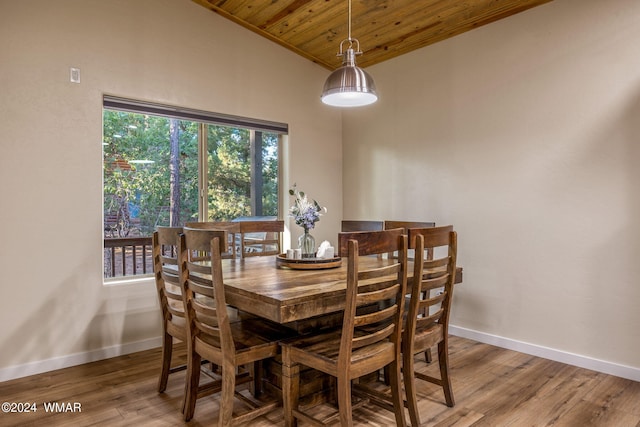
x=256, y=285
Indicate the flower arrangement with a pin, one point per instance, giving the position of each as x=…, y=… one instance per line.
x=305, y=212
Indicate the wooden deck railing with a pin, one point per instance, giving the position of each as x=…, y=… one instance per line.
x=127, y=256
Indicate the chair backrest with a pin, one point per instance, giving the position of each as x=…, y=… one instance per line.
x=368, y=240
x=406, y=225
x=439, y=273
x=233, y=234
x=357, y=225
x=260, y=238
x=200, y=259
x=205, y=305
x=375, y=297
x=165, y=253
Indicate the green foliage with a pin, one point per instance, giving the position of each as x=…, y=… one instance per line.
x=142, y=189
x=229, y=173
x=138, y=195
x=270, y=174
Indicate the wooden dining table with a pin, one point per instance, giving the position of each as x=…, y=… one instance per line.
x=301, y=298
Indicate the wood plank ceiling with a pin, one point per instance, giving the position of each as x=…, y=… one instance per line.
x=384, y=28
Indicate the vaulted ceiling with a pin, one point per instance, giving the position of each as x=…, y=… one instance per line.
x=384, y=28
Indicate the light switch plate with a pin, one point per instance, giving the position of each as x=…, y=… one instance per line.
x=74, y=75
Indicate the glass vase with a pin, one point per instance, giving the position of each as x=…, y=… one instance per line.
x=307, y=244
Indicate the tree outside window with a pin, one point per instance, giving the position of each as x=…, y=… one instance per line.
x=150, y=175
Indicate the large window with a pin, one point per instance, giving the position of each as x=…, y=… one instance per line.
x=164, y=166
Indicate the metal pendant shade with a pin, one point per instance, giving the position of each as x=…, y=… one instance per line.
x=349, y=85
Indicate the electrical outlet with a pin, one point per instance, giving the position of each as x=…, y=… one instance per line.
x=74, y=75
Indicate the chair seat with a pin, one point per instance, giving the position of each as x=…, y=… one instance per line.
x=321, y=352
x=257, y=336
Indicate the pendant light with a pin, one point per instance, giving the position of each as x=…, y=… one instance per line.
x=349, y=85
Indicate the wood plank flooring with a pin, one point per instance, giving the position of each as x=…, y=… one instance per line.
x=492, y=387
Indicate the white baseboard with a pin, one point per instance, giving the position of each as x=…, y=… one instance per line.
x=603, y=366
x=52, y=364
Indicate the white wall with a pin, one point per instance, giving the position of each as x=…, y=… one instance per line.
x=524, y=134
x=54, y=309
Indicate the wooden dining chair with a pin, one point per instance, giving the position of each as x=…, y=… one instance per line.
x=212, y=336
x=165, y=253
x=233, y=234
x=361, y=225
x=428, y=317
x=260, y=238
x=368, y=341
x=406, y=225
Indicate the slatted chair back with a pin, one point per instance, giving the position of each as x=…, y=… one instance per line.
x=233, y=234
x=204, y=296
x=260, y=238
x=165, y=266
x=429, y=308
x=199, y=251
x=406, y=225
x=381, y=290
x=361, y=225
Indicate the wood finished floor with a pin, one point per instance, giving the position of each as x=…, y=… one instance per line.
x=492, y=387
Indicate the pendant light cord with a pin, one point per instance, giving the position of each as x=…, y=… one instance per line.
x=354, y=49
x=349, y=20
x=349, y=39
